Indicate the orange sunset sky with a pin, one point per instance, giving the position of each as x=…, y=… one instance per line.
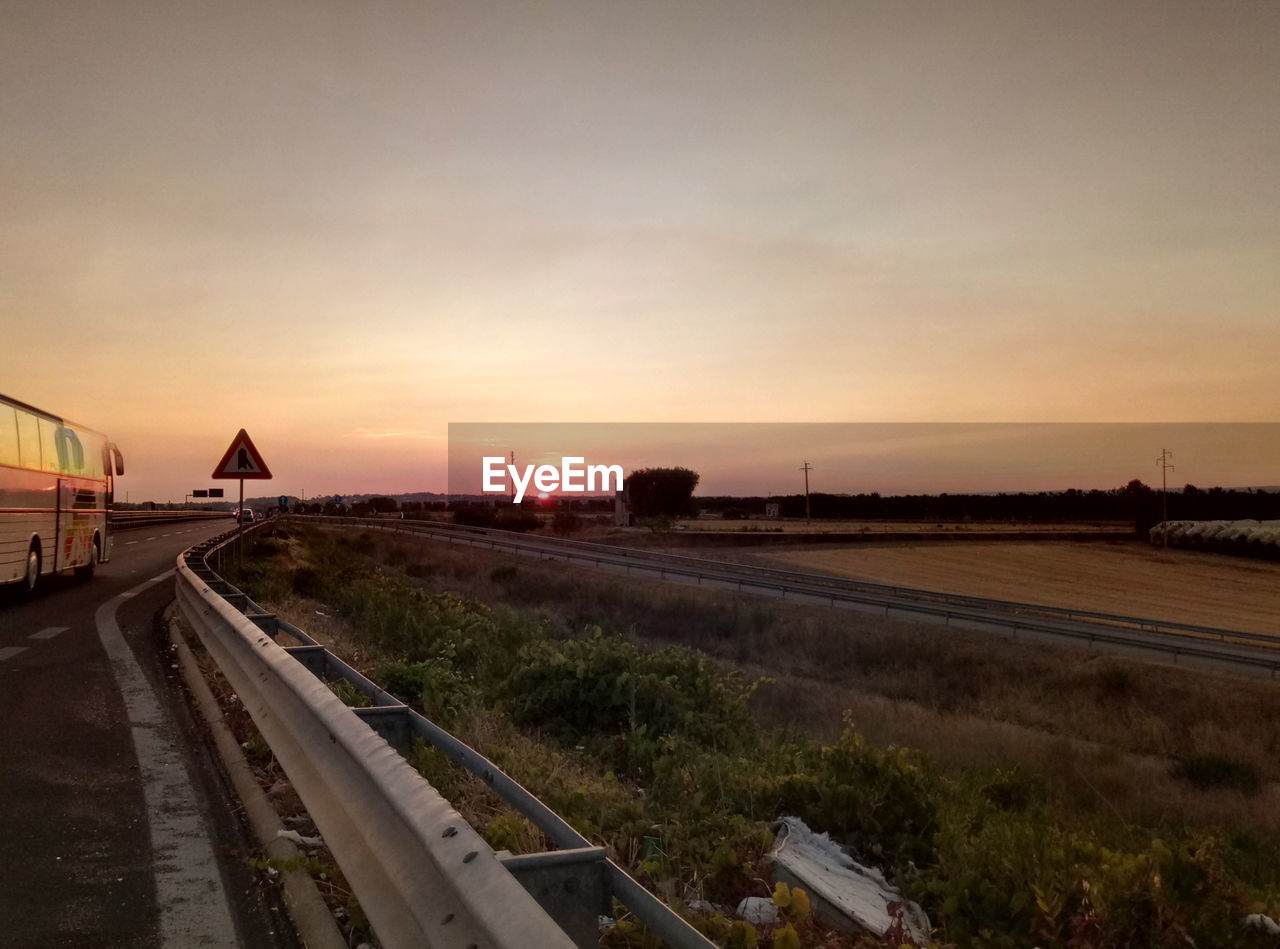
x=343, y=226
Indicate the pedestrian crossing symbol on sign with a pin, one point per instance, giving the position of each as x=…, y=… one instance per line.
x=242, y=460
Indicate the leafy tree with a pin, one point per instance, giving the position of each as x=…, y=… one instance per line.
x=662, y=492
x=383, y=505
x=474, y=515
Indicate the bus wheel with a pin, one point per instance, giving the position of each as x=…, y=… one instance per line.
x=85, y=572
x=32, y=579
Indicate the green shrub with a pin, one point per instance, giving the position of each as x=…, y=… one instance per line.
x=605, y=684
x=434, y=686
x=1014, y=789
x=882, y=801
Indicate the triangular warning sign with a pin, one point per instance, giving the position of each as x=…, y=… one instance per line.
x=242, y=460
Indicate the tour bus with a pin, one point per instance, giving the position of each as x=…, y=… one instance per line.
x=56, y=485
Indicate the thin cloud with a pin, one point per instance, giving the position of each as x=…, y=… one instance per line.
x=395, y=433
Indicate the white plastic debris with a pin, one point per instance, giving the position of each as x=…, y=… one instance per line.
x=758, y=910
x=1214, y=534
x=846, y=893
x=298, y=839
x=1265, y=923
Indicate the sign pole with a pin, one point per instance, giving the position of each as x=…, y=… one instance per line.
x=242, y=461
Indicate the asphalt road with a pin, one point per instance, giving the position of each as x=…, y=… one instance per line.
x=115, y=826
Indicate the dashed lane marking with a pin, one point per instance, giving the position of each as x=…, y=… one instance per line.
x=8, y=652
x=49, y=633
x=128, y=542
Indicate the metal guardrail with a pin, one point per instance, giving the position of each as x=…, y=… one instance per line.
x=1238, y=649
x=423, y=876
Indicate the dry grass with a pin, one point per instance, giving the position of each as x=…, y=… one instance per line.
x=1106, y=731
x=1127, y=577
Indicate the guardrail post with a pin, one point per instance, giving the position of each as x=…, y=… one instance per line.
x=267, y=622
x=569, y=885
x=315, y=659
x=391, y=722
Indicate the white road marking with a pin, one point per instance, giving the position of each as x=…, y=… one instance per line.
x=150, y=538
x=128, y=542
x=189, y=893
x=8, y=652
x=49, y=633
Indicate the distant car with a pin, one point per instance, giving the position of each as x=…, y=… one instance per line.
x=244, y=516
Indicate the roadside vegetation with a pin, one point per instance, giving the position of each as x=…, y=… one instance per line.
x=1023, y=795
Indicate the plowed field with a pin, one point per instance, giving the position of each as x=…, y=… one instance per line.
x=1130, y=578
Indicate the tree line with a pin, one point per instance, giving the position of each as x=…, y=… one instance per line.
x=1135, y=501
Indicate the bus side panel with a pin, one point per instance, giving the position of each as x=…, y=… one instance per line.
x=83, y=512
x=27, y=502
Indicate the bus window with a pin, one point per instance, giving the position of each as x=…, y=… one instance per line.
x=94, y=446
x=70, y=451
x=8, y=436
x=28, y=440
x=50, y=450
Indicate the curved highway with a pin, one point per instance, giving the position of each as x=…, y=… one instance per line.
x=117, y=831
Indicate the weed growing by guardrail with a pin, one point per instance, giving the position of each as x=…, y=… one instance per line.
x=655, y=753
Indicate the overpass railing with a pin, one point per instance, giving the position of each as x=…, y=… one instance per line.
x=128, y=520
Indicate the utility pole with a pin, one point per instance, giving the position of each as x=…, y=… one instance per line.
x=806, y=468
x=1165, y=468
